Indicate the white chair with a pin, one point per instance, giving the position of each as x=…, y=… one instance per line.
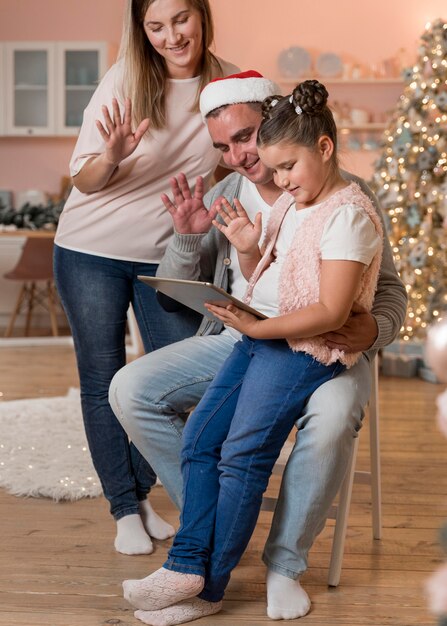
x=340, y=511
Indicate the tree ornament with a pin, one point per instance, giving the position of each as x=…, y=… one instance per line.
x=440, y=100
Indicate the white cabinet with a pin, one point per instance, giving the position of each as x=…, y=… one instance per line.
x=79, y=69
x=48, y=85
x=30, y=88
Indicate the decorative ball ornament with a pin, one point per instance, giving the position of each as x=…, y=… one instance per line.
x=440, y=100
x=401, y=149
x=426, y=161
x=436, y=349
x=407, y=74
x=413, y=216
x=393, y=169
x=418, y=255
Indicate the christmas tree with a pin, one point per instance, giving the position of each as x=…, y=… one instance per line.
x=410, y=181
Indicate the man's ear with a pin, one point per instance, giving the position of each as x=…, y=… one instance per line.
x=326, y=147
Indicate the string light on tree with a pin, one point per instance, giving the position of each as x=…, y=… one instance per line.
x=411, y=183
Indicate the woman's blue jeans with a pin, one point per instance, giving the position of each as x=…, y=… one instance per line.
x=95, y=293
x=230, y=444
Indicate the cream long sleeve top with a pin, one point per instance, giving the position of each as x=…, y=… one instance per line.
x=127, y=220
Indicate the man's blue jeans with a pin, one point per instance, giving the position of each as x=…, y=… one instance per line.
x=95, y=293
x=230, y=444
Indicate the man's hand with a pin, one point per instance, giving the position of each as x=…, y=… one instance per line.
x=357, y=335
x=237, y=227
x=189, y=214
x=117, y=134
x=235, y=318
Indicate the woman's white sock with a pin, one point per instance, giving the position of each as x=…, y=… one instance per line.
x=131, y=536
x=155, y=526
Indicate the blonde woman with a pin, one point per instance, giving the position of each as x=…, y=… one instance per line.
x=141, y=125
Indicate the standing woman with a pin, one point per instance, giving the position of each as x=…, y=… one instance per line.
x=141, y=126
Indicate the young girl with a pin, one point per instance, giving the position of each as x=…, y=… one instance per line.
x=321, y=254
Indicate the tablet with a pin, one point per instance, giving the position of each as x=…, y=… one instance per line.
x=194, y=294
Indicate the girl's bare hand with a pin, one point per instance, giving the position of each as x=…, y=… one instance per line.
x=236, y=318
x=237, y=227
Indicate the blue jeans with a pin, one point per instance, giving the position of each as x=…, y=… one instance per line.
x=230, y=444
x=95, y=293
x=151, y=397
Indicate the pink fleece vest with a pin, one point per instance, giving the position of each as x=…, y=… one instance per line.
x=300, y=275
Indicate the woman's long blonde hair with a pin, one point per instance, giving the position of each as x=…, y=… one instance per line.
x=145, y=71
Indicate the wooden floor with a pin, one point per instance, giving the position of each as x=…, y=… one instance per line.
x=58, y=566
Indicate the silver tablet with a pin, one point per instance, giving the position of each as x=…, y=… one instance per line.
x=194, y=294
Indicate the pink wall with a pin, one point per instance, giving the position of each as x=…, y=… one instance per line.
x=255, y=31
x=251, y=33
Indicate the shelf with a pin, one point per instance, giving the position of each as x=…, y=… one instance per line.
x=343, y=81
x=80, y=87
x=30, y=87
x=369, y=126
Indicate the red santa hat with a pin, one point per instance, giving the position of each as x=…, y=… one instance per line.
x=248, y=86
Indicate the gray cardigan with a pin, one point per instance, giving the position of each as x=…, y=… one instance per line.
x=207, y=257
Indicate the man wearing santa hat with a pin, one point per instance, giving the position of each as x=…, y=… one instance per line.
x=152, y=395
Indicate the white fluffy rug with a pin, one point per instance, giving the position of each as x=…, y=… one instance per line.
x=43, y=449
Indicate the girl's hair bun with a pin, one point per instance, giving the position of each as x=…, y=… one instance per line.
x=311, y=96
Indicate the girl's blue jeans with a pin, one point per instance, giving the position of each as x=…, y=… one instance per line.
x=95, y=293
x=230, y=444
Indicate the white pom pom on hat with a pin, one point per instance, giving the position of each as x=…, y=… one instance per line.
x=248, y=86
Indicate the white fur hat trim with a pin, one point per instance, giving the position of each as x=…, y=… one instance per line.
x=236, y=89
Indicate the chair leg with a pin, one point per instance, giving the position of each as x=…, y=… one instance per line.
x=341, y=521
x=21, y=297
x=52, y=308
x=31, y=293
x=135, y=346
x=376, y=496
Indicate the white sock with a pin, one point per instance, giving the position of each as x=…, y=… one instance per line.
x=131, y=536
x=286, y=599
x=155, y=526
x=179, y=613
x=161, y=589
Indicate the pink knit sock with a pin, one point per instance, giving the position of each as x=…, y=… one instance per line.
x=162, y=588
x=180, y=613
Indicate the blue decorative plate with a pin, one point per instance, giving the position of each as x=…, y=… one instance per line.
x=294, y=62
x=329, y=65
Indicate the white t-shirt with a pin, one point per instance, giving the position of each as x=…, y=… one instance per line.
x=253, y=203
x=349, y=234
x=127, y=220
